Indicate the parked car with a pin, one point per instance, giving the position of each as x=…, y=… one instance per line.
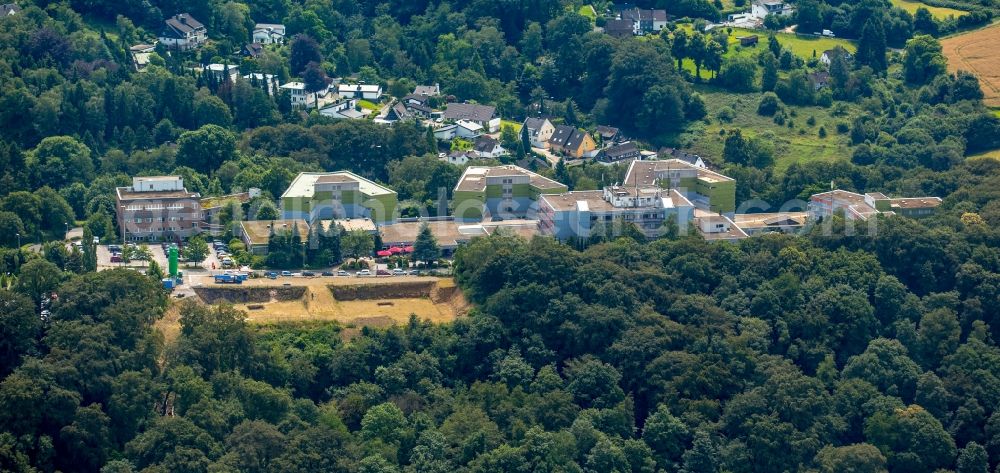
x=286, y=273
x=342, y=273
x=383, y=272
x=364, y=272
x=398, y=272
x=116, y=258
x=272, y=275
x=308, y=274
x=326, y=273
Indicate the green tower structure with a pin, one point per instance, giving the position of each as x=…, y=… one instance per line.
x=172, y=261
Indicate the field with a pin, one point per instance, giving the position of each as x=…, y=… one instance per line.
x=803, y=46
x=937, y=12
x=976, y=51
x=589, y=12
x=379, y=302
x=798, y=144
x=995, y=154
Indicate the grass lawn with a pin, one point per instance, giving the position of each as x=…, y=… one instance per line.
x=369, y=105
x=995, y=154
x=589, y=12
x=801, y=45
x=790, y=144
x=938, y=12
x=507, y=123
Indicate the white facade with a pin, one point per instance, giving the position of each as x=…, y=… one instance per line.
x=360, y=91
x=297, y=91
x=158, y=184
x=266, y=33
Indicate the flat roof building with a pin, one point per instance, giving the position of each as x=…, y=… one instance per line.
x=334, y=195
x=505, y=192
x=705, y=188
x=862, y=207
x=582, y=213
x=157, y=208
x=257, y=233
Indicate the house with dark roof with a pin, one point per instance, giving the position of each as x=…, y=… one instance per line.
x=487, y=147
x=397, y=112
x=674, y=153
x=253, y=50
x=819, y=79
x=483, y=115
x=9, y=9
x=645, y=21
x=619, y=28
x=182, y=31
x=626, y=151
x=608, y=134
x=572, y=142
x=539, y=131
x=828, y=55
x=428, y=90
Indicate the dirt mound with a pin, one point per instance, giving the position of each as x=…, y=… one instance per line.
x=247, y=295
x=394, y=290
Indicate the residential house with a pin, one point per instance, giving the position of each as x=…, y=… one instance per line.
x=298, y=94
x=580, y=214
x=222, y=72
x=371, y=92
x=253, y=50
x=269, y=82
x=9, y=9
x=706, y=189
x=828, y=55
x=459, y=157
x=819, y=79
x=626, y=151
x=540, y=131
x=619, y=28
x=645, y=21
x=505, y=192
x=862, y=207
x=397, y=112
x=484, y=115
x=328, y=195
x=140, y=55
x=572, y=142
x=762, y=8
x=157, y=208
x=268, y=33
x=487, y=147
x=608, y=134
x=427, y=90
x=183, y=32
x=468, y=129
x=673, y=153
x=446, y=132
x=342, y=109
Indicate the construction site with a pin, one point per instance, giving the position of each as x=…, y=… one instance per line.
x=350, y=301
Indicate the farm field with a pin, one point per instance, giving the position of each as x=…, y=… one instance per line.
x=994, y=154
x=801, y=45
x=798, y=144
x=976, y=52
x=940, y=13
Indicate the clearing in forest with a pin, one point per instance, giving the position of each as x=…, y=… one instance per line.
x=940, y=13
x=350, y=301
x=977, y=52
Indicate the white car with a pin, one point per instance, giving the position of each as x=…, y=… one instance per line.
x=364, y=272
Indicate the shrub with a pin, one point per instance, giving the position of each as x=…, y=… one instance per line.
x=769, y=105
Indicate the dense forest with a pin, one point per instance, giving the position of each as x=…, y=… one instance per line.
x=833, y=351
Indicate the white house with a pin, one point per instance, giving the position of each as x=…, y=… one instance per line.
x=297, y=91
x=762, y=8
x=467, y=129
x=828, y=55
x=540, y=131
x=487, y=147
x=181, y=31
x=342, y=109
x=360, y=91
x=9, y=9
x=269, y=33
x=219, y=71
